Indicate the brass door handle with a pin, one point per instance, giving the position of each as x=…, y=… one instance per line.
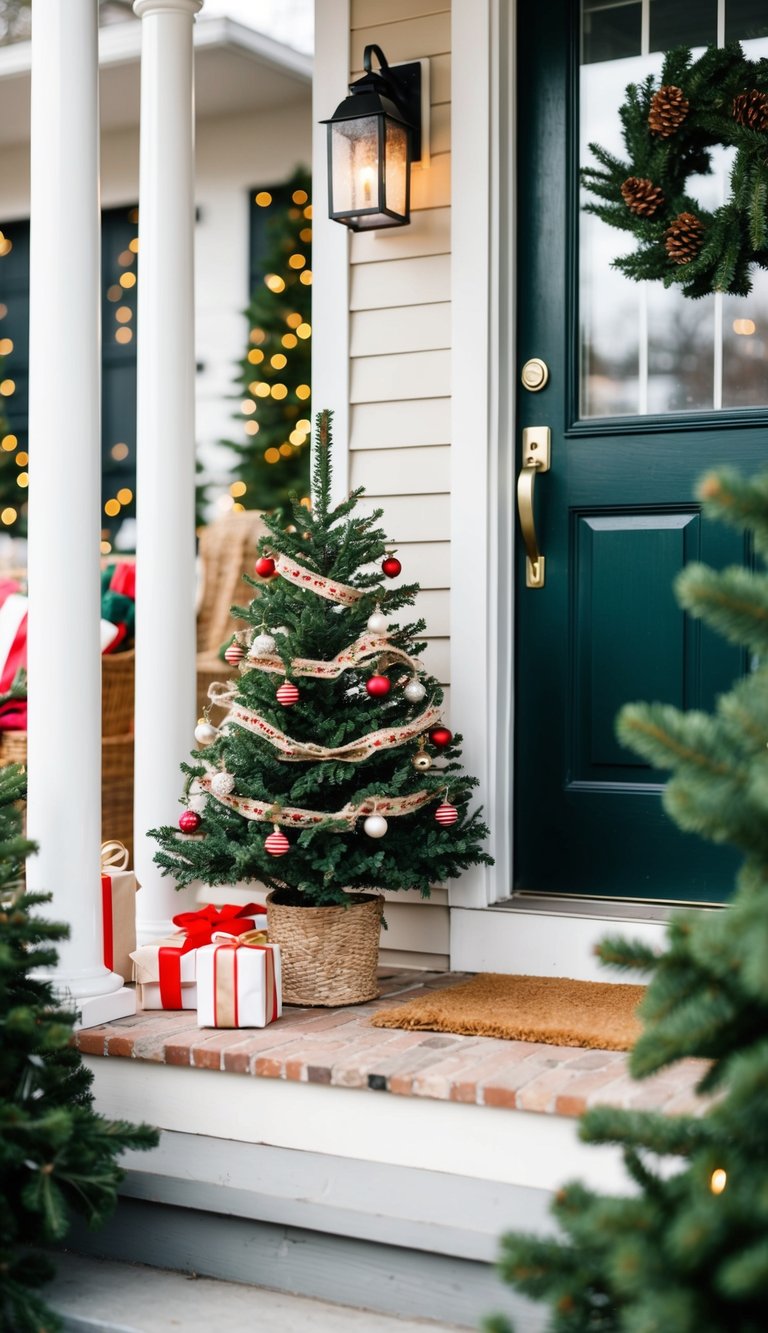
x=536, y=453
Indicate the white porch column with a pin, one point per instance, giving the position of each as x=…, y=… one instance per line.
x=64, y=812
x=165, y=458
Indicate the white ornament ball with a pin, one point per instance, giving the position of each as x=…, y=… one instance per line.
x=377, y=623
x=205, y=733
x=414, y=691
x=263, y=646
x=222, y=784
x=375, y=826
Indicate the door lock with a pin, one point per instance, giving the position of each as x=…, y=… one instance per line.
x=535, y=374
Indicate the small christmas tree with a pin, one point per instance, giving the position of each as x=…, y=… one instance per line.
x=274, y=374
x=688, y=1253
x=334, y=736
x=56, y=1155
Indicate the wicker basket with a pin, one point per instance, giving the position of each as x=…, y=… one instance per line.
x=329, y=955
x=117, y=790
x=118, y=672
x=13, y=747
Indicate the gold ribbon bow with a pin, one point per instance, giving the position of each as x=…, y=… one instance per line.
x=114, y=855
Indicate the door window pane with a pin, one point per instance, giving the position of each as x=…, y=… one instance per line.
x=645, y=349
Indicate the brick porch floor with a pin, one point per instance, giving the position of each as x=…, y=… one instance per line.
x=339, y=1047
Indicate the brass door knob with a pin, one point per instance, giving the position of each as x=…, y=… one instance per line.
x=534, y=375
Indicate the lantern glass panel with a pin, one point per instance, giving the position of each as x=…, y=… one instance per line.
x=355, y=164
x=396, y=167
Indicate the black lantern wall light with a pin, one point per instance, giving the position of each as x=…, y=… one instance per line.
x=373, y=138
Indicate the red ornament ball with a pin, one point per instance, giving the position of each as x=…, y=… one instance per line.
x=287, y=694
x=234, y=653
x=446, y=814
x=391, y=566
x=440, y=736
x=189, y=821
x=277, y=844
x=264, y=567
x=378, y=686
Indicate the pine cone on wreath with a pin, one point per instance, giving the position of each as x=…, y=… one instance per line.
x=684, y=238
x=751, y=110
x=669, y=108
x=641, y=196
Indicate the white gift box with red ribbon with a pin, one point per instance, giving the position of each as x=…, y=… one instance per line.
x=239, y=981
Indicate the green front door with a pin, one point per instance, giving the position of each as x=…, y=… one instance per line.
x=646, y=391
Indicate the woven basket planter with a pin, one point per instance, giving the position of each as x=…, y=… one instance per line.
x=329, y=954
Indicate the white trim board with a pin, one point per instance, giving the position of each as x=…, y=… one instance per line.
x=543, y=944
x=484, y=1143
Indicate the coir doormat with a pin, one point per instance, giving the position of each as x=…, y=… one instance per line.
x=554, y=1010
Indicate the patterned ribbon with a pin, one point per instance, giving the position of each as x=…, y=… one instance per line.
x=267, y=812
x=225, y=978
x=386, y=738
x=363, y=648
x=331, y=589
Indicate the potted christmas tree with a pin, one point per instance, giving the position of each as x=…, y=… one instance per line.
x=333, y=776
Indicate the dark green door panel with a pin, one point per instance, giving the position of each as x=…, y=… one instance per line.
x=616, y=519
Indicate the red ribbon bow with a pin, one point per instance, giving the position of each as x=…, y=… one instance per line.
x=198, y=928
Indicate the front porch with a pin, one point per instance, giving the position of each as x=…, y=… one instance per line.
x=301, y=1178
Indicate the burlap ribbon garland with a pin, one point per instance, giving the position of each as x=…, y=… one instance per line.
x=268, y=812
x=295, y=752
x=361, y=650
x=331, y=589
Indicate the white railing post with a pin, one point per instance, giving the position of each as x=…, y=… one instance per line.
x=64, y=753
x=165, y=453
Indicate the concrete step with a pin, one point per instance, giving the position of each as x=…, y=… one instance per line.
x=104, y=1296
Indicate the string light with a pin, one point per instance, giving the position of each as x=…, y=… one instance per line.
x=7, y=387
x=297, y=437
x=305, y=235
x=119, y=451
x=306, y=502
x=304, y=424
x=123, y=314
x=257, y=335
x=293, y=320
x=289, y=340
x=123, y=335
x=127, y=280
x=133, y=216
x=238, y=508
x=263, y=199
x=105, y=548
x=6, y=245
x=8, y=443
x=134, y=245
x=22, y=480
x=125, y=496
x=299, y=196
x=112, y=508
x=303, y=391
x=21, y=459
x=6, y=346
x=272, y=456
x=286, y=450
x=278, y=361
x=718, y=1180
x=8, y=516
x=308, y=211
x=279, y=391
x=306, y=277
x=3, y=310
x=274, y=282
x=238, y=488
x=251, y=427
x=304, y=330
x=125, y=258
x=261, y=391
x=296, y=261
x=115, y=293
x=255, y=356
x=247, y=406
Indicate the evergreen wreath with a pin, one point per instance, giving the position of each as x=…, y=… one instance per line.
x=669, y=128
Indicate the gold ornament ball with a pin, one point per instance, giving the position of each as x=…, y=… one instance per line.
x=421, y=761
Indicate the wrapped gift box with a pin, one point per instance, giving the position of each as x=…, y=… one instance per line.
x=165, y=974
x=238, y=982
x=118, y=902
x=165, y=970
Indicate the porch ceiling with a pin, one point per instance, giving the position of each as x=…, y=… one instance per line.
x=236, y=70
